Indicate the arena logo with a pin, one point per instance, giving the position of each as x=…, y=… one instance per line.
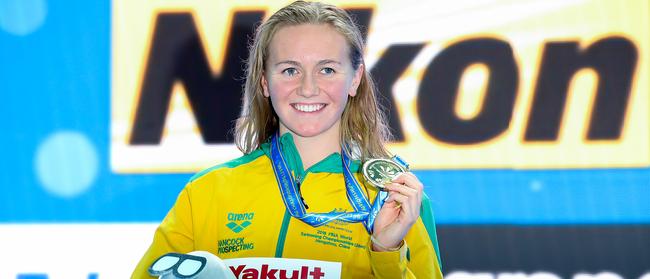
x=507, y=119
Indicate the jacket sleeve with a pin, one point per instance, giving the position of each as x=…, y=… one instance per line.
x=175, y=234
x=418, y=257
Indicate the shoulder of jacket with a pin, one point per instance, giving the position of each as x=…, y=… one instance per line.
x=245, y=159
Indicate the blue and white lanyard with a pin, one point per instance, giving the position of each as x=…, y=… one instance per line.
x=363, y=211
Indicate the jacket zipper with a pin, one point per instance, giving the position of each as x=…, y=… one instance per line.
x=298, y=182
x=279, y=248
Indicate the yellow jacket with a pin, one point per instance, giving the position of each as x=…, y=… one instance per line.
x=235, y=210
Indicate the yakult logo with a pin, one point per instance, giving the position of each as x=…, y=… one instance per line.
x=279, y=268
x=304, y=272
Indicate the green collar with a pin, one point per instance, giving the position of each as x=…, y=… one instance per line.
x=332, y=163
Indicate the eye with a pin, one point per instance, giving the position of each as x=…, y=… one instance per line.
x=290, y=72
x=327, y=71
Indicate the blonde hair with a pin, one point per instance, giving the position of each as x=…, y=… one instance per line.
x=363, y=128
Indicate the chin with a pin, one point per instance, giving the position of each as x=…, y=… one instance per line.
x=307, y=132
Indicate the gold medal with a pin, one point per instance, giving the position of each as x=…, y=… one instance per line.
x=379, y=172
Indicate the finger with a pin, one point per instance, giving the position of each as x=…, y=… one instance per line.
x=402, y=199
x=408, y=179
x=397, y=197
x=402, y=189
x=391, y=205
x=409, y=210
x=412, y=181
x=415, y=196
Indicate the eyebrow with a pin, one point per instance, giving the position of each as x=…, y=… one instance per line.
x=295, y=63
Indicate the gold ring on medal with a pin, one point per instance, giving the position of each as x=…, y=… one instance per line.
x=379, y=172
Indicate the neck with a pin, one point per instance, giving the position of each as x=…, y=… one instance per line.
x=314, y=149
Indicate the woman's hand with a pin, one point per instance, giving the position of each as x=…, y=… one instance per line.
x=400, y=211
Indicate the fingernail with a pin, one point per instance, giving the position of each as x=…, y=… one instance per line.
x=397, y=176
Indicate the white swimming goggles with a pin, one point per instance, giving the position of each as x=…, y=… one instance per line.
x=181, y=265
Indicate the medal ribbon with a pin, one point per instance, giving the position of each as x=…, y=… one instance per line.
x=363, y=211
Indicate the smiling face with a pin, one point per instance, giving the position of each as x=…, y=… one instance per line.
x=308, y=77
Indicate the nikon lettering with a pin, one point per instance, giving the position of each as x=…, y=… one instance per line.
x=613, y=58
x=579, y=96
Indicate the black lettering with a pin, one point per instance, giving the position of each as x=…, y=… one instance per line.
x=385, y=73
x=362, y=17
x=613, y=59
x=387, y=70
x=178, y=54
x=439, y=90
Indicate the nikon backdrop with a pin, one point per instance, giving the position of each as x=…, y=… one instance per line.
x=528, y=122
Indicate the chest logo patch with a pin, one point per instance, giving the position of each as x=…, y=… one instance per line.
x=237, y=222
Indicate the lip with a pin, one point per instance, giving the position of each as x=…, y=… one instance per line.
x=308, y=107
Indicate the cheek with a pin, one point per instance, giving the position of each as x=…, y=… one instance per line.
x=280, y=88
x=338, y=90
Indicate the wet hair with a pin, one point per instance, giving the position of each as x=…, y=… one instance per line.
x=363, y=130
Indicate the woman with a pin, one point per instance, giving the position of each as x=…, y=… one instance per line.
x=309, y=112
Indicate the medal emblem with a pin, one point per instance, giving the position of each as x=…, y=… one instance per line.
x=379, y=172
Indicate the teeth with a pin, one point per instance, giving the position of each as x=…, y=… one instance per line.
x=308, y=108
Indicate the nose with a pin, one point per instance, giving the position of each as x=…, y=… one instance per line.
x=308, y=87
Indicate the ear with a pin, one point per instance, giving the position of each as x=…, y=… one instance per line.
x=265, y=86
x=356, y=80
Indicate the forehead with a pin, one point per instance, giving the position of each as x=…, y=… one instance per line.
x=307, y=42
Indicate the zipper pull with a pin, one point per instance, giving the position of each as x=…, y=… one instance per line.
x=300, y=193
